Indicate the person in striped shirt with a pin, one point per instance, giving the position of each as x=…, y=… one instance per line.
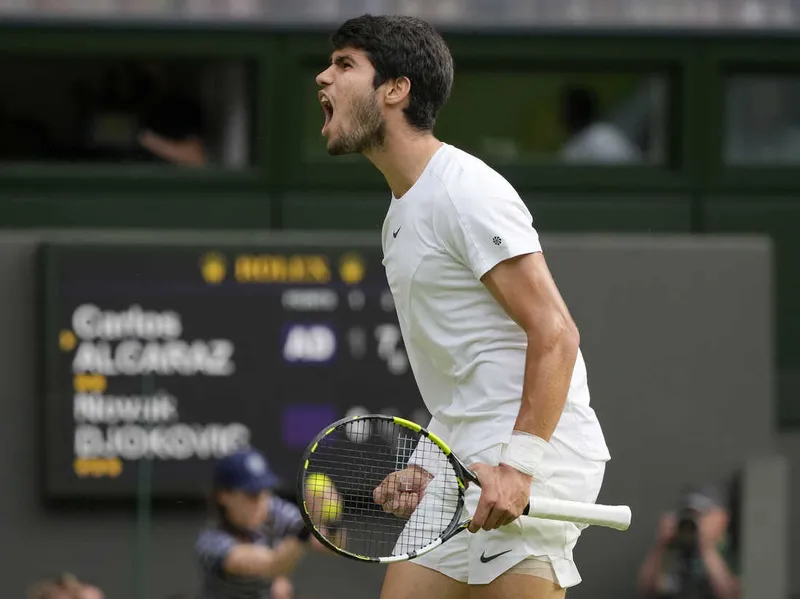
x=257, y=538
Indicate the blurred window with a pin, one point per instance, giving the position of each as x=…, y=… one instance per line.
x=762, y=120
x=125, y=110
x=533, y=117
x=551, y=117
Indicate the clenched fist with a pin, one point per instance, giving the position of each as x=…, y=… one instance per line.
x=401, y=491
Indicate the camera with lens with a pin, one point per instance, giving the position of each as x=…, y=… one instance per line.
x=693, y=505
x=686, y=530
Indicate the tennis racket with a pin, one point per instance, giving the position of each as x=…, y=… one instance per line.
x=357, y=460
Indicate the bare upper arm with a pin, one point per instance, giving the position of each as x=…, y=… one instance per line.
x=524, y=287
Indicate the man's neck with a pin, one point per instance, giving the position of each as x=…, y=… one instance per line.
x=403, y=158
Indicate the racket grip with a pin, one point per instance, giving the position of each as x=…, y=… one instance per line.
x=609, y=516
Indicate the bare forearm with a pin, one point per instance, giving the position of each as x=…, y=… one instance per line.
x=724, y=583
x=189, y=152
x=548, y=373
x=255, y=560
x=285, y=557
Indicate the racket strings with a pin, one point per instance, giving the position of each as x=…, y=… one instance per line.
x=368, y=462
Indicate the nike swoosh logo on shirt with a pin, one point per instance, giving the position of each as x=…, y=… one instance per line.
x=394, y=234
x=486, y=560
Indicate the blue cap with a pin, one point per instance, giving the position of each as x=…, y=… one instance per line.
x=245, y=470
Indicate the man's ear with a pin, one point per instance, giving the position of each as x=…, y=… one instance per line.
x=397, y=90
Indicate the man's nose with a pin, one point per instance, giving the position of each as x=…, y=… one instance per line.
x=324, y=78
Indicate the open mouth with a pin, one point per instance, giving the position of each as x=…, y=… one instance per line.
x=327, y=109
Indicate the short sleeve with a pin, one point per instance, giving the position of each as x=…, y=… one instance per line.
x=211, y=549
x=481, y=232
x=286, y=518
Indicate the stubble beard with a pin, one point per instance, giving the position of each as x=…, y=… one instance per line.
x=368, y=130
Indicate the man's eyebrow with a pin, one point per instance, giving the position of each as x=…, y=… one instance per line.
x=338, y=59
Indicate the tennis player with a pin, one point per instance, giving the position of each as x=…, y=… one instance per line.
x=257, y=538
x=493, y=348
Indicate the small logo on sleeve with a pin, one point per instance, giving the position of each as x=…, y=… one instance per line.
x=496, y=240
x=394, y=233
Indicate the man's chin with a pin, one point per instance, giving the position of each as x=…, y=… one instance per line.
x=337, y=149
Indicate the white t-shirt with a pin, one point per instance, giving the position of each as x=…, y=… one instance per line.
x=458, y=221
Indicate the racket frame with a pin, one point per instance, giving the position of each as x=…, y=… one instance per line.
x=463, y=476
x=617, y=517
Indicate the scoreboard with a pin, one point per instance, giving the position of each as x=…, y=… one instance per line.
x=178, y=355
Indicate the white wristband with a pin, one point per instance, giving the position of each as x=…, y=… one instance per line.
x=524, y=452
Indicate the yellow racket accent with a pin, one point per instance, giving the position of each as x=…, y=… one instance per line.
x=442, y=445
x=407, y=423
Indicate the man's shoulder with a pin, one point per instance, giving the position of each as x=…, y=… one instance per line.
x=284, y=515
x=283, y=505
x=468, y=180
x=467, y=173
x=213, y=531
x=212, y=541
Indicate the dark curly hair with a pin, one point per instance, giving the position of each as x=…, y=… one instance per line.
x=400, y=46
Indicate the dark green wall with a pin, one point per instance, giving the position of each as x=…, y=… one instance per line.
x=294, y=185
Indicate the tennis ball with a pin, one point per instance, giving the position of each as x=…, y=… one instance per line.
x=324, y=497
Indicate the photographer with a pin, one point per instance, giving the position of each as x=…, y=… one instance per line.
x=693, y=555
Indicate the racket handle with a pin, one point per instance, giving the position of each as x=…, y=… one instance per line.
x=610, y=516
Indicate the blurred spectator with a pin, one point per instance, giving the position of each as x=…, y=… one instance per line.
x=695, y=552
x=250, y=524
x=126, y=110
x=172, y=122
x=65, y=586
x=590, y=139
x=139, y=113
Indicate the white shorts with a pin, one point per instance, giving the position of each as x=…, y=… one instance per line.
x=564, y=475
